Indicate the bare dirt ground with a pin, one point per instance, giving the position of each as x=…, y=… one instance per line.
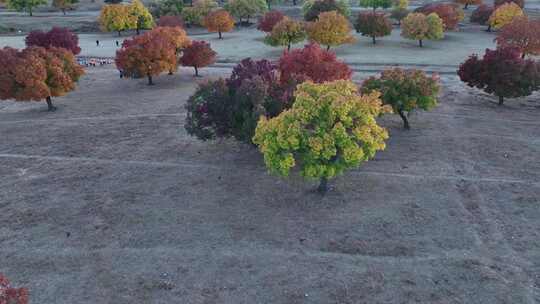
x=108, y=200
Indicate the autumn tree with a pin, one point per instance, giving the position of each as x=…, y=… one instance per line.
x=163, y=8
x=204, y=7
x=418, y=26
x=521, y=33
x=64, y=5
x=245, y=9
x=312, y=63
x=25, y=5
x=501, y=72
x=36, y=73
x=451, y=14
x=12, y=295
x=141, y=14
x=312, y=8
x=171, y=21
x=286, y=32
x=329, y=129
x=374, y=4
x=198, y=55
x=219, y=21
x=404, y=90
x=269, y=20
x=400, y=10
x=504, y=15
x=520, y=3
x=151, y=53
x=116, y=18
x=330, y=29
x=56, y=37
x=373, y=25
x=481, y=15
x=466, y=3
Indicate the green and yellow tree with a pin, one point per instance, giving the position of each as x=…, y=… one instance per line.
x=329, y=129
x=286, y=32
x=25, y=5
x=139, y=12
x=418, y=26
x=330, y=29
x=116, y=18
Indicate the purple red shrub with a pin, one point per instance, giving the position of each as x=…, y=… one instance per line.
x=267, y=22
x=501, y=72
x=57, y=37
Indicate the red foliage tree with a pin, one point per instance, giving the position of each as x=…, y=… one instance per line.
x=501, y=72
x=373, y=25
x=171, y=21
x=36, y=73
x=313, y=63
x=57, y=37
x=10, y=295
x=267, y=22
x=521, y=33
x=198, y=55
x=151, y=53
x=450, y=13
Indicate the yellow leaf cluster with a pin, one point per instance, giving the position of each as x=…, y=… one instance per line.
x=504, y=15
x=330, y=29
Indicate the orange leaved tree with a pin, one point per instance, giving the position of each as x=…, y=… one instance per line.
x=151, y=53
x=36, y=73
x=219, y=21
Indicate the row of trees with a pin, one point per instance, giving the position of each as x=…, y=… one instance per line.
x=304, y=110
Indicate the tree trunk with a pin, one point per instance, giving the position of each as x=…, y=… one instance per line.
x=196, y=71
x=220, y=37
x=466, y=6
x=50, y=106
x=523, y=56
x=420, y=43
x=294, y=2
x=30, y=11
x=137, y=31
x=328, y=48
x=150, y=82
x=323, y=186
x=501, y=100
x=64, y=11
x=405, y=120
x=170, y=72
x=374, y=41
x=119, y=34
x=489, y=28
x=289, y=46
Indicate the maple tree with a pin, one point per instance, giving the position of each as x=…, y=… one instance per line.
x=330, y=29
x=269, y=20
x=451, y=14
x=116, y=18
x=404, y=90
x=329, y=129
x=25, y=5
x=151, y=53
x=504, y=15
x=466, y=3
x=219, y=21
x=286, y=32
x=64, y=5
x=141, y=15
x=56, y=37
x=373, y=25
x=501, y=72
x=374, y=4
x=400, y=10
x=198, y=55
x=171, y=21
x=245, y=9
x=520, y=3
x=12, y=295
x=420, y=27
x=312, y=63
x=521, y=33
x=481, y=15
x=36, y=73
x=312, y=8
